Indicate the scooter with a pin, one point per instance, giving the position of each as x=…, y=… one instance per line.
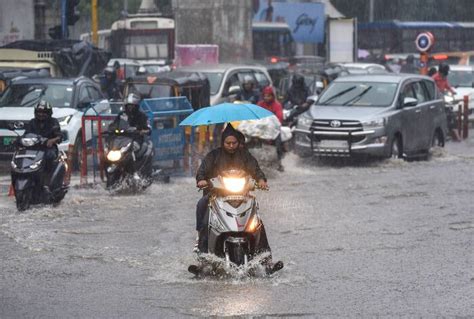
x=235, y=235
x=127, y=161
x=28, y=172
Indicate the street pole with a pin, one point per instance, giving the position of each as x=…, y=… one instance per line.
x=95, y=27
x=64, y=19
x=371, y=11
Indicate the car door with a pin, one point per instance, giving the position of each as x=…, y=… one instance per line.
x=425, y=127
x=411, y=120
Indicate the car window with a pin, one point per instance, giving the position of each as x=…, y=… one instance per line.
x=27, y=95
x=262, y=80
x=430, y=89
x=420, y=93
x=359, y=94
x=408, y=91
x=233, y=80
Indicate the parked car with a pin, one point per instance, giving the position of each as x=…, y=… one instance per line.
x=226, y=79
x=398, y=115
x=69, y=98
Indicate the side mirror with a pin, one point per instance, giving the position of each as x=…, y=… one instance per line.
x=15, y=125
x=233, y=90
x=409, y=102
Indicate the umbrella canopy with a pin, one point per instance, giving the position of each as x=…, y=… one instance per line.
x=225, y=112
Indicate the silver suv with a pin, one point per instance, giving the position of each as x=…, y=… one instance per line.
x=398, y=115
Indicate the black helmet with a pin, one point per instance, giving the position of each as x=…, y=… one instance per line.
x=132, y=103
x=43, y=107
x=443, y=69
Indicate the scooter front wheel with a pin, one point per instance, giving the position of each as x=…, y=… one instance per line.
x=23, y=199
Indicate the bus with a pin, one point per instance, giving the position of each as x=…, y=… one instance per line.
x=139, y=37
x=399, y=36
x=272, y=40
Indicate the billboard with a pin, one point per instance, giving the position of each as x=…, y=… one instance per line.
x=306, y=20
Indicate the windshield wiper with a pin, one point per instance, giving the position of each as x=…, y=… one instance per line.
x=338, y=95
x=357, y=97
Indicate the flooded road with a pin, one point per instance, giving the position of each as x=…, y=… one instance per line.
x=387, y=238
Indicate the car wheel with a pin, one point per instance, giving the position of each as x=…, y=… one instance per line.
x=396, y=149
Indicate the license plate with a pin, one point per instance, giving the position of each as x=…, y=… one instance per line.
x=8, y=140
x=333, y=144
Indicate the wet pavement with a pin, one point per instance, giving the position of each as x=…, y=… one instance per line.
x=385, y=238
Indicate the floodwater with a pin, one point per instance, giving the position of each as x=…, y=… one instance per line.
x=385, y=238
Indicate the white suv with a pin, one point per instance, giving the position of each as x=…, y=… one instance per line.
x=226, y=79
x=69, y=98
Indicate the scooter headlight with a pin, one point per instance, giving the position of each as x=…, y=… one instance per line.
x=35, y=165
x=29, y=141
x=233, y=184
x=114, y=156
x=13, y=164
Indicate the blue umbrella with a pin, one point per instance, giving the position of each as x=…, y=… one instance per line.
x=225, y=112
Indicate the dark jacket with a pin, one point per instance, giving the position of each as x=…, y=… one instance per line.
x=249, y=96
x=48, y=128
x=297, y=95
x=139, y=120
x=219, y=160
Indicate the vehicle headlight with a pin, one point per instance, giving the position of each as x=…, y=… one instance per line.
x=114, y=156
x=63, y=121
x=233, y=184
x=36, y=164
x=304, y=120
x=253, y=223
x=14, y=166
x=449, y=98
x=29, y=141
x=374, y=123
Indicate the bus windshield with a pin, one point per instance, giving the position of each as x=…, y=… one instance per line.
x=273, y=42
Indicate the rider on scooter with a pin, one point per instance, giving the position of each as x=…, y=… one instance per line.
x=45, y=125
x=229, y=155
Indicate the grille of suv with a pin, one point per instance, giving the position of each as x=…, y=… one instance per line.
x=343, y=127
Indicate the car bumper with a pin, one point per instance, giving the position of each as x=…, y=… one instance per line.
x=374, y=143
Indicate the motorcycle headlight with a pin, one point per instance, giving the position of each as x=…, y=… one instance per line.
x=304, y=120
x=114, y=156
x=36, y=164
x=253, y=223
x=374, y=123
x=449, y=98
x=233, y=184
x=63, y=121
x=29, y=141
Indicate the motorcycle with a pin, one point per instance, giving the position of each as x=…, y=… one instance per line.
x=452, y=107
x=235, y=236
x=127, y=161
x=28, y=172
